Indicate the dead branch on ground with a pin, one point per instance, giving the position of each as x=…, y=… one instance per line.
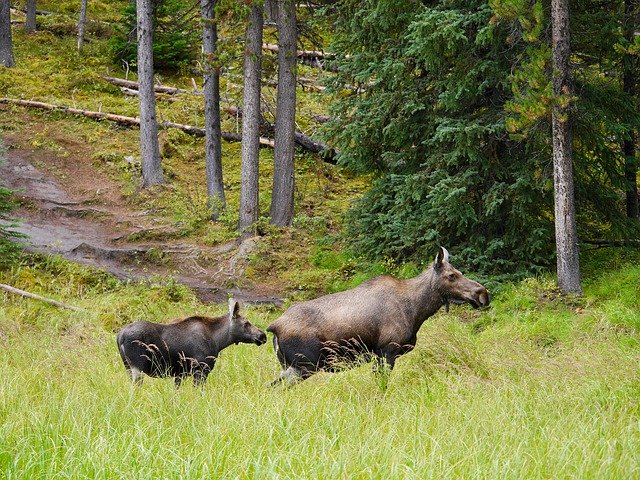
x=50, y=301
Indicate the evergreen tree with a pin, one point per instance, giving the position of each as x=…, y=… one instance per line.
x=449, y=104
x=249, y=185
x=421, y=101
x=213, y=133
x=567, y=252
x=175, y=35
x=6, y=45
x=282, y=200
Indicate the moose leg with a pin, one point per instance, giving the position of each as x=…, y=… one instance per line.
x=178, y=380
x=291, y=376
x=136, y=375
x=200, y=378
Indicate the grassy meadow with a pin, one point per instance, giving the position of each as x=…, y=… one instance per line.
x=535, y=387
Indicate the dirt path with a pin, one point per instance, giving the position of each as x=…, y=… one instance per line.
x=79, y=214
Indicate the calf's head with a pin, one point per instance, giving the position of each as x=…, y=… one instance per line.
x=454, y=287
x=242, y=331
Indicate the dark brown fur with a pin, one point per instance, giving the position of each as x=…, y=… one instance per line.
x=187, y=347
x=380, y=318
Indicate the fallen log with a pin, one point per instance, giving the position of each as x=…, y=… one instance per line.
x=50, y=301
x=121, y=82
x=313, y=58
x=307, y=143
x=128, y=121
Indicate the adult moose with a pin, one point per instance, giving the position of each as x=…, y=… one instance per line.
x=381, y=318
x=188, y=347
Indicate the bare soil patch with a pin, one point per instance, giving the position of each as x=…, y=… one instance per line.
x=70, y=208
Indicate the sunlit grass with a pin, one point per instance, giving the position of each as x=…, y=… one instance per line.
x=527, y=389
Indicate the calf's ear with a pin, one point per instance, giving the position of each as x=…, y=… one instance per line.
x=234, y=309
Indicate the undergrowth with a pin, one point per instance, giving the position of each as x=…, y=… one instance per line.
x=537, y=386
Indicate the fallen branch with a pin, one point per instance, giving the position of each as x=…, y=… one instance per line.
x=313, y=58
x=128, y=121
x=24, y=293
x=327, y=153
x=157, y=88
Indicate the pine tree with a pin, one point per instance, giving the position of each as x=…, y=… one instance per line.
x=568, y=263
x=213, y=131
x=149, y=146
x=282, y=200
x=449, y=104
x=6, y=45
x=249, y=200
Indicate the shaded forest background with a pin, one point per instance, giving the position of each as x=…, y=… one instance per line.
x=446, y=107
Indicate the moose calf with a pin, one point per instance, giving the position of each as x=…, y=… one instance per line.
x=186, y=347
x=381, y=318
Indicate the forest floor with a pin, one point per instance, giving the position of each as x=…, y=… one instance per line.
x=70, y=208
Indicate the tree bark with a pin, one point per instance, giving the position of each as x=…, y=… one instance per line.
x=213, y=135
x=629, y=86
x=30, y=24
x=82, y=23
x=282, y=200
x=568, y=262
x=249, y=192
x=149, y=145
x=6, y=46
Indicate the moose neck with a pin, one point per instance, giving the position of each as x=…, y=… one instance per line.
x=424, y=296
x=221, y=333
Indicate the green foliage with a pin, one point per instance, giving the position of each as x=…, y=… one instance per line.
x=428, y=115
x=449, y=104
x=9, y=248
x=174, y=40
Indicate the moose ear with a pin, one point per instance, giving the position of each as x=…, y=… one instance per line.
x=443, y=256
x=234, y=309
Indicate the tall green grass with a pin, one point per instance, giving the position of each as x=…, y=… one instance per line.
x=532, y=388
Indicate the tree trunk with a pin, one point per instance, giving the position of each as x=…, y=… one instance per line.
x=30, y=24
x=6, y=47
x=213, y=135
x=282, y=200
x=568, y=262
x=629, y=86
x=249, y=206
x=82, y=23
x=149, y=146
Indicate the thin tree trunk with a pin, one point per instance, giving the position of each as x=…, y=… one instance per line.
x=568, y=262
x=149, y=146
x=282, y=200
x=30, y=24
x=82, y=23
x=213, y=136
x=249, y=206
x=6, y=46
x=629, y=86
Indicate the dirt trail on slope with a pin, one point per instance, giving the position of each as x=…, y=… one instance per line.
x=80, y=214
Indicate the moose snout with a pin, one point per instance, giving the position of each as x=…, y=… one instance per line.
x=261, y=339
x=483, y=298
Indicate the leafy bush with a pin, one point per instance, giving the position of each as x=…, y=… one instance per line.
x=175, y=35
